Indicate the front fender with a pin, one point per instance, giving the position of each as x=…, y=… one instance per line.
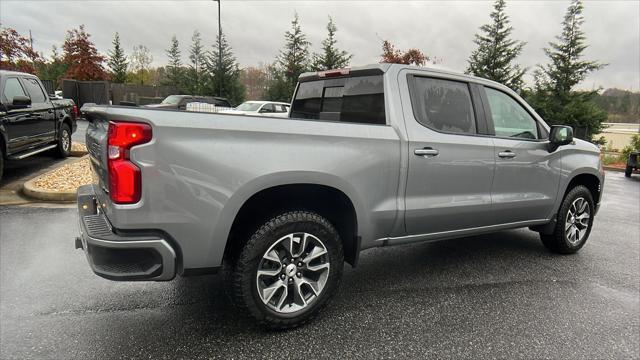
x=577, y=161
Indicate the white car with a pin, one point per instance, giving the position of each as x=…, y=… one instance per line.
x=262, y=108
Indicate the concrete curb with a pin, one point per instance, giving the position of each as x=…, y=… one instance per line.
x=30, y=189
x=78, y=153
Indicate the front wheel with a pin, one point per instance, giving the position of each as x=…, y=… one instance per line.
x=288, y=270
x=573, y=222
x=64, y=141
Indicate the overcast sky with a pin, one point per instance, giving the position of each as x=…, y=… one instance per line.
x=255, y=29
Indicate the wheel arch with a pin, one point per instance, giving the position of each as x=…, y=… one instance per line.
x=65, y=120
x=328, y=200
x=590, y=181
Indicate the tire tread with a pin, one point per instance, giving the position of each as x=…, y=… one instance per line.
x=236, y=271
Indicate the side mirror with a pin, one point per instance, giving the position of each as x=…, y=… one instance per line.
x=20, y=102
x=560, y=135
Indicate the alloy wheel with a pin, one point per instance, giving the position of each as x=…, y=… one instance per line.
x=293, y=272
x=66, y=141
x=577, y=221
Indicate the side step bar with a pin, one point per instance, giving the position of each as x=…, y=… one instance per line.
x=33, y=152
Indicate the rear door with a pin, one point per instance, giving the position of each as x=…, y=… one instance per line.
x=43, y=118
x=527, y=176
x=451, y=160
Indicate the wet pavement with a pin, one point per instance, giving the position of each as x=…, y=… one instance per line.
x=493, y=296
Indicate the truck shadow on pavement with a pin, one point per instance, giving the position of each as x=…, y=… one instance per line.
x=474, y=261
x=397, y=291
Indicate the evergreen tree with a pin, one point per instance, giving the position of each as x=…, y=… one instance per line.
x=495, y=56
x=197, y=58
x=553, y=96
x=566, y=68
x=227, y=74
x=292, y=61
x=331, y=57
x=117, y=62
x=174, y=70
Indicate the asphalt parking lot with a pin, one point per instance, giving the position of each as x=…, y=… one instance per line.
x=493, y=296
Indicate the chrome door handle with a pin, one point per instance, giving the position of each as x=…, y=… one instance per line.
x=507, y=154
x=426, y=152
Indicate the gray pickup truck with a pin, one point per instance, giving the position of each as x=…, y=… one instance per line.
x=374, y=156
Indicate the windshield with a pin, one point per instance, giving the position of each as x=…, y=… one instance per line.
x=248, y=106
x=172, y=99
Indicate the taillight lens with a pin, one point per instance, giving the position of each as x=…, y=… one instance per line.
x=75, y=111
x=125, y=184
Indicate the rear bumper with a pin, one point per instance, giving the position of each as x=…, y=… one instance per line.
x=119, y=257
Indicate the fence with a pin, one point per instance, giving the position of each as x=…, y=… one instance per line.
x=140, y=94
x=82, y=92
x=103, y=92
x=48, y=86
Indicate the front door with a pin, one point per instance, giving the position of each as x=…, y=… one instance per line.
x=19, y=123
x=451, y=166
x=527, y=175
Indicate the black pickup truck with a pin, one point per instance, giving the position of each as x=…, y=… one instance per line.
x=30, y=121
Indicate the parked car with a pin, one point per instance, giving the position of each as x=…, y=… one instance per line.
x=632, y=163
x=31, y=122
x=264, y=108
x=179, y=102
x=375, y=156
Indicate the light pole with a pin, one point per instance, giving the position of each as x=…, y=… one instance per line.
x=219, y=51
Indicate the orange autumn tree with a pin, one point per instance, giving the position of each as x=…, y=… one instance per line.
x=16, y=53
x=410, y=57
x=85, y=63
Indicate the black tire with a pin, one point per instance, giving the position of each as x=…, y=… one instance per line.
x=558, y=241
x=64, y=141
x=627, y=171
x=241, y=270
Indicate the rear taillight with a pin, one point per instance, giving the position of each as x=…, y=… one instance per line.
x=125, y=185
x=75, y=111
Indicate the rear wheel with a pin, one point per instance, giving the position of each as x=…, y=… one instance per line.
x=573, y=222
x=627, y=171
x=288, y=270
x=64, y=141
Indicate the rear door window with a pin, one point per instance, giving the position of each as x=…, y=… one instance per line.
x=357, y=99
x=268, y=108
x=12, y=88
x=443, y=105
x=34, y=90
